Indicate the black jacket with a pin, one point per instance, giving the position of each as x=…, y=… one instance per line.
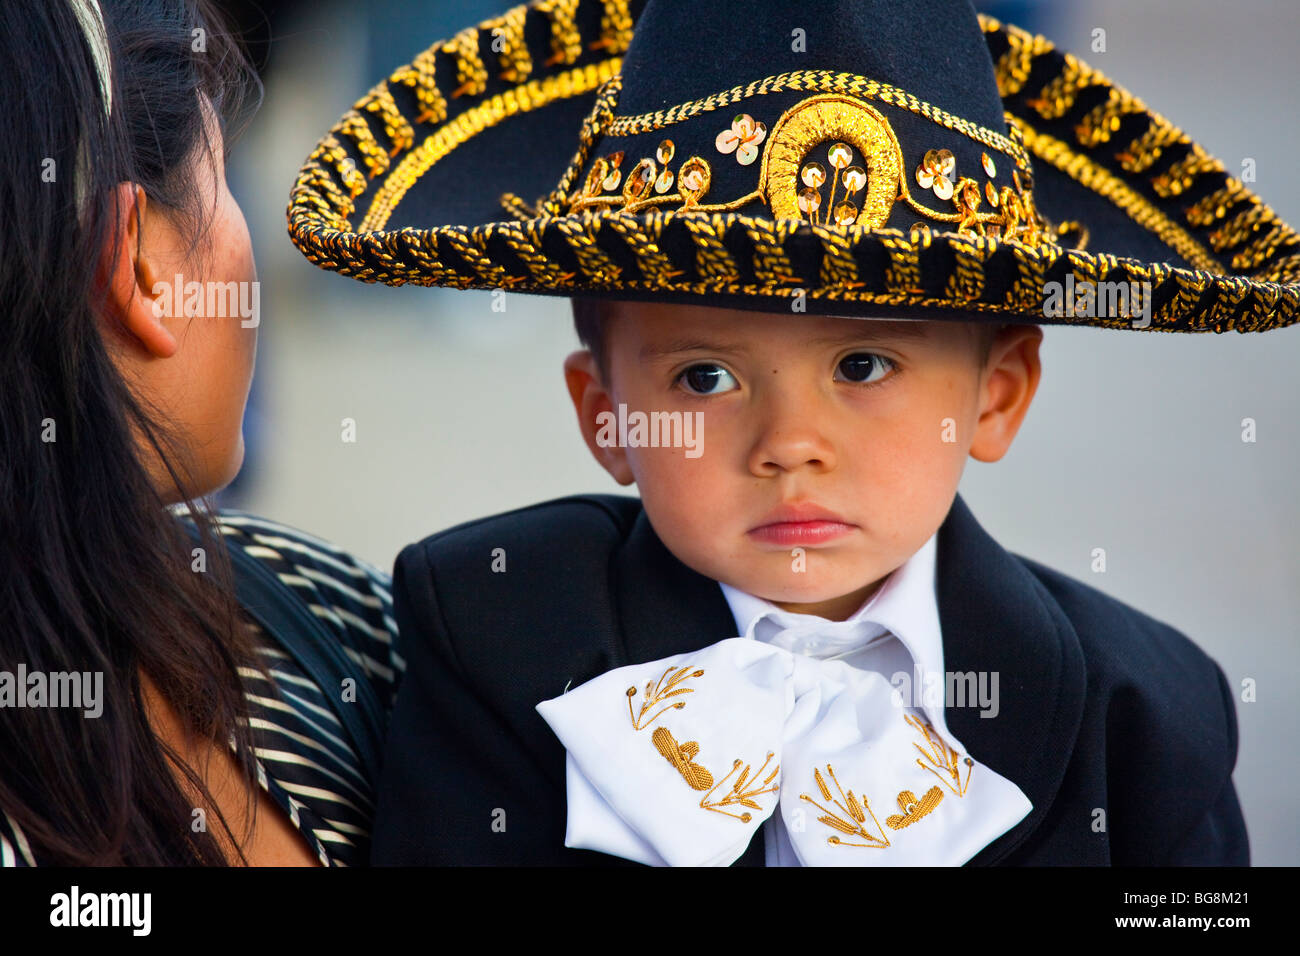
x=1102, y=708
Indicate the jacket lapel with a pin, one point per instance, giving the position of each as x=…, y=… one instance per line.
x=995, y=617
x=666, y=608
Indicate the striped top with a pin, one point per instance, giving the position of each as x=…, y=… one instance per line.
x=305, y=760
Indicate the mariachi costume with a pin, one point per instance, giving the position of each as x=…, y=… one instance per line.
x=601, y=701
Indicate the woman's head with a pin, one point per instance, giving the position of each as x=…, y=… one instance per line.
x=103, y=419
x=180, y=317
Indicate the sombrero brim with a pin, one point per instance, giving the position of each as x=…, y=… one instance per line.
x=423, y=180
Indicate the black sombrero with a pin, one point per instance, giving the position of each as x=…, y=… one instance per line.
x=891, y=158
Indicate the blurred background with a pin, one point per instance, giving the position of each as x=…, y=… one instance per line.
x=1133, y=444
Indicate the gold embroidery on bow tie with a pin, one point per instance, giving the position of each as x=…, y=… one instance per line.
x=941, y=757
x=655, y=693
x=912, y=808
x=855, y=812
x=682, y=756
x=738, y=794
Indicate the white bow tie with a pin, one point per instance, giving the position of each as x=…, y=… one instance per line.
x=680, y=760
x=814, y=636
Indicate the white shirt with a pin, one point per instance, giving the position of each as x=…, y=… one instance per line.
x=895, y=631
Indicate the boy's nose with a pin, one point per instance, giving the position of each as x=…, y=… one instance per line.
x=792, y=437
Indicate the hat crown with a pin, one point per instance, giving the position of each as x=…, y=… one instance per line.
x=683, y=50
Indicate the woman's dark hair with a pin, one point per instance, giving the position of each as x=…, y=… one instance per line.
x=95, y=571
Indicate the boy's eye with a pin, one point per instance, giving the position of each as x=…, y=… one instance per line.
x=859, y=366
x=704, y=379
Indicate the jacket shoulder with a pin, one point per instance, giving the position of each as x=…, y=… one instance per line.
x=1168, y=717
x=593, y=519
x=509, y=594
x=1124, y=645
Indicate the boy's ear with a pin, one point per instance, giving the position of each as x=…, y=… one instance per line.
x=1009, y=384
x=129, y=275
x=590, y=399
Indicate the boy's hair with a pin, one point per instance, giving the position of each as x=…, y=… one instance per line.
x=589, y=316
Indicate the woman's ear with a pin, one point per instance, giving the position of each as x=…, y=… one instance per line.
x=130, y=276
x=590, y=398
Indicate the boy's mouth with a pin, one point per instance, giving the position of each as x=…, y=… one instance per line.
x=794, y=525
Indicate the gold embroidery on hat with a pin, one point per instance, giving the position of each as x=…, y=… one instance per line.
x=692, y=179
x=847, y=124
x=320, y=215
x=912, y=808
x=938, y=756
x=521, y=99
x=1088, y=165
x=1145, y=213
x=851, y=821
x=818, y=81
x=743, y=138
x=738, y=795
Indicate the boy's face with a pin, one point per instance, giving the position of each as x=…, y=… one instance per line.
x=829, y=451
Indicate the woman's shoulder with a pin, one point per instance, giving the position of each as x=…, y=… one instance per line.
x=345, y=591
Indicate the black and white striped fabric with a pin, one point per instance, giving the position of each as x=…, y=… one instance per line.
x=305, y=761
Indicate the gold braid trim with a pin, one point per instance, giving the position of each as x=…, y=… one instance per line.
x=419, y=76
x=772, y=267
x=354, y=126
x=525, y=240
x=642, y=239
x=712, y=260
x=581, y=238
x=471, y=74
x=1013, y=67
x=1140, y=155
x=566, y=41
x=1216, y=205
x=838, y=265
x=1104, y=119
x=1239, y=228
x=522, y=99
x=1059, y=96
x=508, y=30
x=1087, y=172
x=824, y=81
x=1179, y=177
x=903, y=274
x=967, y=279
x=615, y=27
x=396, y=127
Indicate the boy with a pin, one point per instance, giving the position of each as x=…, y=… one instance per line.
x=825, y=261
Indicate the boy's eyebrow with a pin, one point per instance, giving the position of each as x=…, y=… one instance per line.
x=869, y=330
